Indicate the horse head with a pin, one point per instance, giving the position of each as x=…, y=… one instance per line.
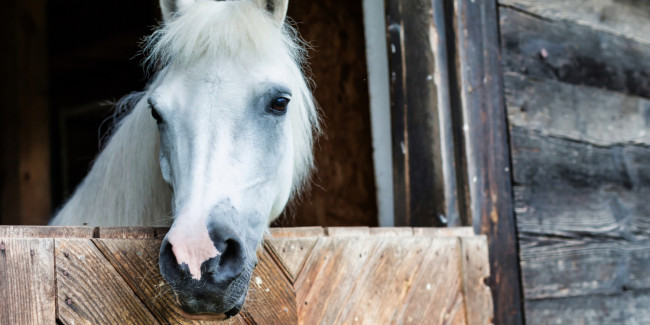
x=235, y=120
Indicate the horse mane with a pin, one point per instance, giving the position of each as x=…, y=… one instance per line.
x=124, y=186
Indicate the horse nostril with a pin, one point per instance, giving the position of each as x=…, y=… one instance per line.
x=230, y=263
x=232, y=252
x=168, y=264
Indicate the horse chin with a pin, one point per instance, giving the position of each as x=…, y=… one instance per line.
x=209, y=308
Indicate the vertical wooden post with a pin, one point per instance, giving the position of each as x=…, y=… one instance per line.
x=423, y=168
x=480, y=87
x=25, y=162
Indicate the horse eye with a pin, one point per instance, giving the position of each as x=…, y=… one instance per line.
x=156, y=116
x=279, y=105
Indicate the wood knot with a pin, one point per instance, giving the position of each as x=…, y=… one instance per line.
x=2, y=246
x=31, y=252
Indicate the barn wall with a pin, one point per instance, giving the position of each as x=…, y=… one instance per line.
x=577, y=82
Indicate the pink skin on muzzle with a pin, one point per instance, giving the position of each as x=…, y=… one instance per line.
x=191, y=244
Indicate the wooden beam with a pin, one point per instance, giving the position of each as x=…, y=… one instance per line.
x=479, y=84
x=424, y=174
x=574, y=53
x=24, y=115
x=27, y=288
x=625, y=18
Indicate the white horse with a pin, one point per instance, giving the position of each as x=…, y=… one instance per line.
x=217, y=144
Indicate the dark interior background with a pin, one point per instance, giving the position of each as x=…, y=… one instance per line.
x=73, y=59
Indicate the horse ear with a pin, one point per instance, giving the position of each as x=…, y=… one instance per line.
x=277, y=8
x=170, y=7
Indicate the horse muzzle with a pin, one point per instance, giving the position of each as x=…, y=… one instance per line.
x=208, y=268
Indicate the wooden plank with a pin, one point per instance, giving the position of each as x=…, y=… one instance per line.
x=24, y=117
x=423, y=176
x=297, y=232
x=27, y=289
x=347, y=231
x=478, y=297
x=90, y=290
x=270, y=300
x=540, y=159
x=160, y=232
x=435, y=295
x=479, y=85
x=559, y=267
x=628, y=308
x=319, y=296
x=564, y=211
x=625, y=18
x=577, y=112
x=290, y=253
x=347, y=280
x=443, y=232
x=391, y=231
x=126, y=232
x=574, y=54
x=46, y=232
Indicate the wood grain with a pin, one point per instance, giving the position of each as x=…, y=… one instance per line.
x=290, y=253
x=558, y=267
x=136, y=260
x=347, y=231
x=435, y=296
x=576, y=112
x=480, y=87
x=126, y=232
x=347, y=280
x=46, y=232
x=90, y=290
x=444, y=232
x=628, y=308
x=540, y=159
x=478, y=298
x=610, y=211
x=297, y=232
x=391, y=231
x=626, y=18
x=574, y=54
x=343, y=279
x=423, y=176
x=27, y=290
x=579, y=120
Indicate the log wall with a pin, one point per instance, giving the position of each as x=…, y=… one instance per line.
x=577, y=82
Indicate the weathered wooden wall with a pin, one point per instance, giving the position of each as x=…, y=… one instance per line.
x=451, y=159
x=577, y=79
x=79, y=275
